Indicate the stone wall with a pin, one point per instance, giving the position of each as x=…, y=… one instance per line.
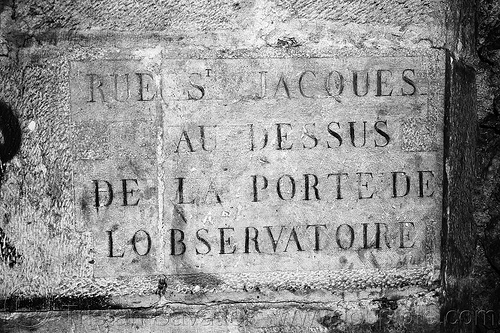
x=485, y=279
x=50, y=26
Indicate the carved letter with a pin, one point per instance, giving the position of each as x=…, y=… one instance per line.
x=421, y=183
x=203, y=140
x=293, y=234
x=110, y=246
x=254, y=182
x=224, y=241
x=204, y=241
x=339, y=85
x=254, y=239
x=365, y=236
x=378, y=235
x=410, y=82
x=186, y=140
x=395, y=184
x=137, y=238
x=310, y=136
x=147, y=88
x=285, y=86
x=282, y=137
x=301, y=88
x=174, y=241
x=252, y=138
x=274, y=242
x=307, y=186
x=335, y=134
x=355, y=84
x=405, y=234
x=352, y=133
x=338, y=175
x=350, y=231
x=382, y=81
x=126, y=192
x=382, y=133
x=97, y=196
x=292, y=190
x=365, y=185
x=180, y=191
x=127, y=89
x=95, y=83
x=212, y=190
x=201, y=90
x=316, y=234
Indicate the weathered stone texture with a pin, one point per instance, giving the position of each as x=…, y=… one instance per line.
x=55, y=266
x=486, y=268
x=211, y=15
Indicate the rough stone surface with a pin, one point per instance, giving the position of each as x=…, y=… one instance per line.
x=458, y=227
x=131, y=15
x=54, y=267
x=486, y=274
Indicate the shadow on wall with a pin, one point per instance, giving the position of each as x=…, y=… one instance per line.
x=10, y=143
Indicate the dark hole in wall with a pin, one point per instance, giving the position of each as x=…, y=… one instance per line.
x=10, y=131
x=10, y=142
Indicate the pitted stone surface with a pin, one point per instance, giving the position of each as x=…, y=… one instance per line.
x=48, y=197
x=133, y=15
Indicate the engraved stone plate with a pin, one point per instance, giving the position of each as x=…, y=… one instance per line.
x=259, y=165
x=297, y=164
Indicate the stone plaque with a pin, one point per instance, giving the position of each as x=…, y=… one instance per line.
x=241, y=166
x=330, y=167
